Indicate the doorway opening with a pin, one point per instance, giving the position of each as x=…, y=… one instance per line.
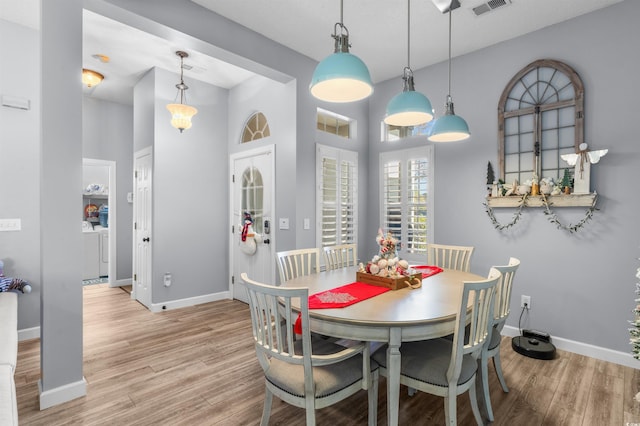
x=99, y=221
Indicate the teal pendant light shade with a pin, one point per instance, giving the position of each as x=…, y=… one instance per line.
x=449, y=127
x=408, y=108
x=341, y=77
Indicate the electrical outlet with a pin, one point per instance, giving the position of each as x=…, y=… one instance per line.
x=525, y=300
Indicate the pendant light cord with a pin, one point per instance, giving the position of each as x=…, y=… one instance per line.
x=409, y=34
x=181, y=79
x=449, y=93
x=341, y=12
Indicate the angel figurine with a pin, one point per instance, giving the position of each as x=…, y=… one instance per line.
x=582, y=160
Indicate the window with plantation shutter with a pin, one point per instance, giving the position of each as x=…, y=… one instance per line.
x=337, y=178
x=406, y=201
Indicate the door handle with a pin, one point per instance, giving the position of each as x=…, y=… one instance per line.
x=266, y=241
x=145, y=240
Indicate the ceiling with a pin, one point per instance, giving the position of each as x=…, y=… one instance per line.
x=377, y=29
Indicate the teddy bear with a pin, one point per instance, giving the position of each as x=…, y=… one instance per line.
x=8, y=284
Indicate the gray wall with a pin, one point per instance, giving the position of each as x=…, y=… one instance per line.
x=582, y=285
x=19, y=164
x=107, y=134
x=61, y=176
x=190, y=192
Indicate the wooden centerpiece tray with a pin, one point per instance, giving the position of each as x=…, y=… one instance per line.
x=413, y=280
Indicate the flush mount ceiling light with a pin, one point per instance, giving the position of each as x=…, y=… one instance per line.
x=450, y=127
x=91, y=78
x=341, y=77
x=408, y=108
x=181, y=113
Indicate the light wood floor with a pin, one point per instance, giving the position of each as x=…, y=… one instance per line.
x=197, y=366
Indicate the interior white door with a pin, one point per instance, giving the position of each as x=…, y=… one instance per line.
x=252, y=237
x=142, y=228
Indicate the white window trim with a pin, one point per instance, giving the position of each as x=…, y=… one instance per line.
x=403, y=156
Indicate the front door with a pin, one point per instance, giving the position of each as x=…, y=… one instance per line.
x=252, y=238
x=142, y=228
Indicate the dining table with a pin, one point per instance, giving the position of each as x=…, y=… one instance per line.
x=393, y=317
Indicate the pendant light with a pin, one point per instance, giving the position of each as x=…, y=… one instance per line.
x=341, y=77
x=408, y=108
x=450, y=127
x=181, y=113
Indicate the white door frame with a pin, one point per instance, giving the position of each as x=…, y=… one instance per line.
x=267, y=149
x=111, y=202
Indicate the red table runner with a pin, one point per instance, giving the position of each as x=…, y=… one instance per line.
x=340, y=297
x=427, y=270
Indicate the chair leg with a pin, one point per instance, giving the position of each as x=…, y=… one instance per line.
x=450, y=407
x=373, y=399
x=266, y=410
x=311, y=417
x=498, y=367
x=484, y=379
x=473, y=397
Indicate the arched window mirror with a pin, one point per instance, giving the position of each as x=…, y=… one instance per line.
x=252, y=197
x=540, y=117
x=256, y=127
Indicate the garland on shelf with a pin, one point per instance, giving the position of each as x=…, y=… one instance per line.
x=553, y=218
x=516, y=216
x=635, y=330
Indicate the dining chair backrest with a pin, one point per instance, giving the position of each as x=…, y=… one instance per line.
x=503, y=294
x=492, y=349
x=269, y=306
x=450, y=257
x=340, y=256
x=476, y=310
x=297, y=263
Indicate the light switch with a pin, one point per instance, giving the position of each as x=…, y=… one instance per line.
x=10, y=225
x=306, y=224
x=283, y=223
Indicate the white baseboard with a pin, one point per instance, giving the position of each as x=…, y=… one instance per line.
x=585, y=349
x=28, y=333
x=120, y=283
x=61, y=394
x=190, y=301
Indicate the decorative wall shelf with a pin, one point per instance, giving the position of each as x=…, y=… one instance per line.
x=563, y=200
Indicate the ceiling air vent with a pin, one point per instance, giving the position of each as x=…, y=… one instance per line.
x=489, y=6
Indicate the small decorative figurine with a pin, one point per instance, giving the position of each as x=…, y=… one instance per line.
x=582, y=160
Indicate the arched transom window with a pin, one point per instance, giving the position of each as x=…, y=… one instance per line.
x=256, y=127
x=540, y=117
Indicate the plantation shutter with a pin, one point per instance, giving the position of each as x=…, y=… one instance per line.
x=337, y=196
x=406, y=182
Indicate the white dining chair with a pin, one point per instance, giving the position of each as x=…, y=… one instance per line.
x=500, y=314
x=446, y=367
x=297, y=263
x=450, y=257
x=304, y=373
x=340, y=256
